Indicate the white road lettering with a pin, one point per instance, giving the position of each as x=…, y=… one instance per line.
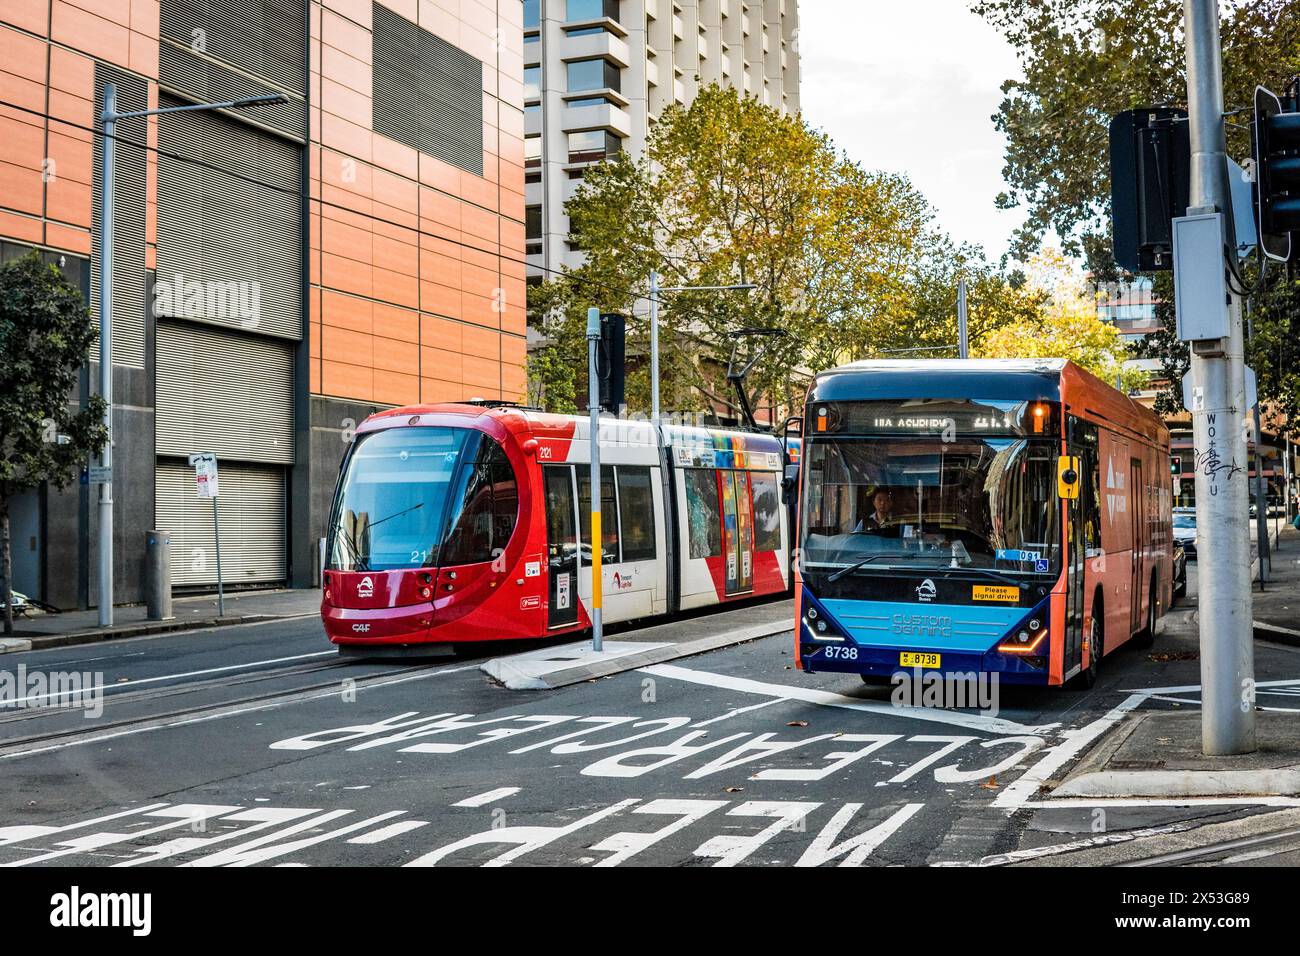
x=856, y=850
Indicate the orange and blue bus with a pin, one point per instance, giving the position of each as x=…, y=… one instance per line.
x=978, y=516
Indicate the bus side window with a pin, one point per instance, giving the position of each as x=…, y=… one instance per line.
x=1092, y=503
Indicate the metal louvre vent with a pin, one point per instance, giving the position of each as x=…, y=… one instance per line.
x=128, y=218
x=427, y=93
x=224, y=393
x=266, y=38
x=229, y=250
x=207, y=81
x=251, y=510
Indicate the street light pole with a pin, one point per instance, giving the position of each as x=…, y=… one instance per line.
x=109, y=118
x=655, y=289
x=1218, y=380
x=107, y=183
x=597, y=548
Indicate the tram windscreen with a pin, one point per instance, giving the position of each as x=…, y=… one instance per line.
x=392, y=500
x=921, y=503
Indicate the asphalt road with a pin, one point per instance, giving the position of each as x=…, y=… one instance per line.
x=257, y=745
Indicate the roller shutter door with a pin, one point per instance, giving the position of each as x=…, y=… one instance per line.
x=223, y=393
x=251, y=508
x=230, y=226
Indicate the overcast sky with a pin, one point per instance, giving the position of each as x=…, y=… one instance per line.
x=910, y=87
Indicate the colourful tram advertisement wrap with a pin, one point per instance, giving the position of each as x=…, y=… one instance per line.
x=460, y=523
x=978, y=516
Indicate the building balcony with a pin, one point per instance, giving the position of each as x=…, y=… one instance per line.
x=609, y=117
x=594, y=45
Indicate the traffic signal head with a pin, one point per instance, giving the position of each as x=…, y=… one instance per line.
x=1150, y=184
x=1277, y=174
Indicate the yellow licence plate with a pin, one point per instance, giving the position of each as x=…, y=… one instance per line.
x=914, y=659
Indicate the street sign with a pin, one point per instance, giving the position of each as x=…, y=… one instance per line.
x=1242, y=186
x=98, y=475
x=205, y=474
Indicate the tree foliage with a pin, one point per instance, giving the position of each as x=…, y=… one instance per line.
x=45, y=336
x=1065, y=325
x=1085, y=60
x=846, y=261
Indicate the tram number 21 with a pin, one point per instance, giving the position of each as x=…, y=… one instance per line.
x=843, y=653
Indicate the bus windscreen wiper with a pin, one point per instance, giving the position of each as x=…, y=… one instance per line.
x=844, y=572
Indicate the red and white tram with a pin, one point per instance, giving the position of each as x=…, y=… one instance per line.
x=465, y=522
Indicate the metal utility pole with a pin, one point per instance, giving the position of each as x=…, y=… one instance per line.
x=1218, y=382
x=963, y=314
x=655, y=289
x=1261, y=487
x=593, y=405
x=109, y=118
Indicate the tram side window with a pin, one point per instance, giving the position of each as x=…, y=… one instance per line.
x=608, y=512
x=489, y=508
x=767, y=512
x=703, y=513
x=636, y=514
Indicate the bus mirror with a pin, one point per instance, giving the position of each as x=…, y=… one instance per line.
x=1067, y=476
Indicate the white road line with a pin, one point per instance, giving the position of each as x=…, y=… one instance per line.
x=500, y=793
x=739, y=710
x=1189, y=688
x=388, y=832
x=1014, y=796
x=992, y=725
x=272, y=705
x=131, y=684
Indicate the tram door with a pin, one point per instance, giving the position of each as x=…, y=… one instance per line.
x=737, y=531
x=1137, y=521
x=561, y=546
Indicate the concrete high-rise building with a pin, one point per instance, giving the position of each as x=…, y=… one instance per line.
x=599, y=73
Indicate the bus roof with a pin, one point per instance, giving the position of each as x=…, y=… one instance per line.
x=1039, y=379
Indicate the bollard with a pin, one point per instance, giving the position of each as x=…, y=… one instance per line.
x=158, y=575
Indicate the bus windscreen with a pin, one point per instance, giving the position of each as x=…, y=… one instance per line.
x=920, y=503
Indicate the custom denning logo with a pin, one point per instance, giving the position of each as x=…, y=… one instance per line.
x=365, y=587
x=926, y=591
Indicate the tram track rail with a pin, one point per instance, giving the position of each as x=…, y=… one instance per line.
x=1241, y=849
x=106, y=728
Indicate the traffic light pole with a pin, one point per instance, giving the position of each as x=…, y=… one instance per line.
x=1218, y=381
x=597, y=548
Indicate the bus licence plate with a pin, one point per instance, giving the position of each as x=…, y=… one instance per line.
x=915, y=659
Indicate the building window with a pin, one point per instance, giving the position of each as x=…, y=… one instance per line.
x=588, y=101
x=532, y=83
x=593, y=145
x=578, y=10
x=533, y=222
x=532, y=151
x=593, y=75
x=532, y=14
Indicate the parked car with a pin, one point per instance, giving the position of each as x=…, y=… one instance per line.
x=1185, y=530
